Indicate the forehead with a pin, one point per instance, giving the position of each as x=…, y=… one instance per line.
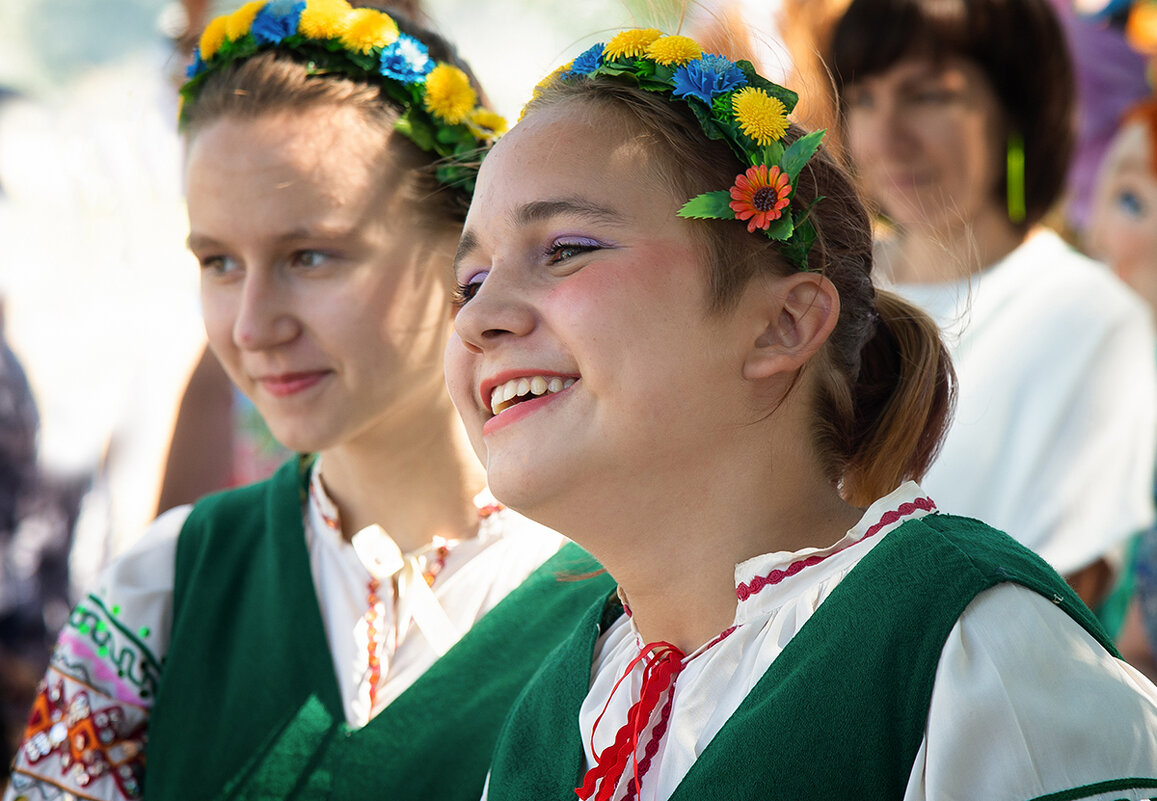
x=573, y=148
x=1130, y=152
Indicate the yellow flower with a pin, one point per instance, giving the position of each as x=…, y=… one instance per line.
x=674, y=50
x=486, y=124
x=241, y=20
x=760, y=116
x=449, y=94
x=369, y=28
x=324, y=19
x=630, y=43
x=213, y=37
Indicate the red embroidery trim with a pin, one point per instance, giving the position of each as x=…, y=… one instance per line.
x=659, y=673
x=745, y=591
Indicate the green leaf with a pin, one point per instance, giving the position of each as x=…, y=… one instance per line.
x=768, y=154
x=796, y=248
x=799, y=153
x=664, y=73
x=781, y=93
x=782, y=228
x=709, y=206
x=416, y=130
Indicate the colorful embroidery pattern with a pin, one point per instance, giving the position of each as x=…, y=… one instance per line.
x=115, y=653
x=85, y=736
x=82, y=741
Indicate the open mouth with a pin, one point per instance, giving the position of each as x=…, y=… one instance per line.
x=517, y=390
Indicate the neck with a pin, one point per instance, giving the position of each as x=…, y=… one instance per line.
x=417, y=480
x=918, y=255
x=674, y=549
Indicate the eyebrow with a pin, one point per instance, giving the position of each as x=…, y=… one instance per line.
x=541, y=210
x=196, y=240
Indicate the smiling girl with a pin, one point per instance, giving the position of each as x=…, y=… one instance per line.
x=731, y=421
x=356, y=626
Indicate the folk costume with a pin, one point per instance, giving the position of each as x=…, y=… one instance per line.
x=920, y=657
x=235, y=653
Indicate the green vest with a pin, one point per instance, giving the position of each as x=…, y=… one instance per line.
x=248, y=705
x=839, y=714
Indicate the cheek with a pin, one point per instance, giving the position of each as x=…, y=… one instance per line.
x=218, y=309
x=458, y=364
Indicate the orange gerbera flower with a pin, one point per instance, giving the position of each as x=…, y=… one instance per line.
x=760, y=195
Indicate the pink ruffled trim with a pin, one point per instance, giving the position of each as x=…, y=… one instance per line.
x=745, y=591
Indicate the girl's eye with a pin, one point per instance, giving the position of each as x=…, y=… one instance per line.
x=310, y=258
x=564, y=249
x=465, y=292
x=857, y=98
x=1130, y=203
x=933, y=95
x=219, y=265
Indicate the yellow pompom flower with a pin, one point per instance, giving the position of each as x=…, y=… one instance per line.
x=240, y=21
x=630, y=43
x=368, y=28
x=674, y=50
x=760, y=116
x=324, y=19
x=213, y=37
x=449, y=94
x=486, y=124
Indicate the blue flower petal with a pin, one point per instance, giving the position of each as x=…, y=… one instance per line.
x=277, y=20
x=197, y=67
x=588, y=62
x=406, y=60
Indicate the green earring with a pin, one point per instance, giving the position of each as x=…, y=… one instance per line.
x=1014, y=178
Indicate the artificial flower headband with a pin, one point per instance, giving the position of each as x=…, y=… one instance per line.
x=731, y=102
x=440, y=113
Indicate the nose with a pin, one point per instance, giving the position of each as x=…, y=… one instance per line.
x=500, y=310
x=265, y=316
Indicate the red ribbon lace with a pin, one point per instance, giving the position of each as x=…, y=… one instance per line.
x=662, y=663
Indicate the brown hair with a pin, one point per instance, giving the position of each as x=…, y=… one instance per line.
x=1018, y=45
x=885, y=388
x=278, y=80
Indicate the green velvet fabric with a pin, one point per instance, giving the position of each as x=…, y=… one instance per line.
x=841, y=711
x=248, y=706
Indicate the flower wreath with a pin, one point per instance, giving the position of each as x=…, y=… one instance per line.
x=440, y=111
x=731, y=102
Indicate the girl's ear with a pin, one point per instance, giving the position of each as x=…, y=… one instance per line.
x=799, y=313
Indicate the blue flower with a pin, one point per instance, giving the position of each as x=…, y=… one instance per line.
x=197, y=67
x=277, y=20
x=707, y=78
x=587, y=63
x=406, y=60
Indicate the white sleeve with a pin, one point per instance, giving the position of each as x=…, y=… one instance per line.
x=85, y=736
x=1026, y=703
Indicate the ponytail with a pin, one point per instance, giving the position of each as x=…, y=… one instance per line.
x=902, y=402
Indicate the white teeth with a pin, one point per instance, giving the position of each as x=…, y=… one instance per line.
x=536, y=386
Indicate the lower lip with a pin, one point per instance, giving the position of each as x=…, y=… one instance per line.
x=519, y=411
x=291, y=385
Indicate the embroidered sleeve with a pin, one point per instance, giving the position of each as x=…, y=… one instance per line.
x=86, y=732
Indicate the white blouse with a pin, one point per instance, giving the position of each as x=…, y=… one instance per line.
x=416, y=622
x=1005, y=721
